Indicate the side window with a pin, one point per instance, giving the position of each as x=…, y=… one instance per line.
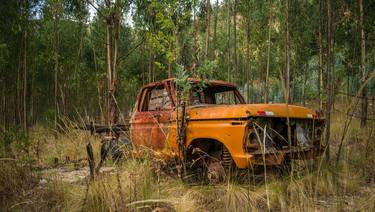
x=157, y=99
x=226, y=98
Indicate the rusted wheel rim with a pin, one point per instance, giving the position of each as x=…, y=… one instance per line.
x=216, y=173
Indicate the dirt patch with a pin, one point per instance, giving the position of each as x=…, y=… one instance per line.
x=67, y=175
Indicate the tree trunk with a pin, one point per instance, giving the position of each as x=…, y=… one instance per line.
x=304, y=86
x=364, y=103
x=196, y=42
x=287, y=72
x=76, y=66
x=287, y=47
x=321, y=68
x=56, y=70
x=143, y=63
x=18, y=116
x=208, y=33
x=248, y=59
x=32, y=98
x=235, y=38
x=333, y=60
x=268, y=60
x=228, y=41
x=109, y=69
x=25, y=80
x=112, y=60
x=150, y=65
x=215, y=29
x=176, y=46
x=64, y=103
x=114, y=106
x=4, y=104
x=329, y=85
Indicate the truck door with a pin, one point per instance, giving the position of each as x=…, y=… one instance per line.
x=150, y=122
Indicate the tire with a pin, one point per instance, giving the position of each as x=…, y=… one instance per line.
x=216, y=173
x=211, y=167
x=286, y=166
x=118, y=149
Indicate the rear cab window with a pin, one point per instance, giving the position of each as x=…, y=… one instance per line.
x=214, y=94
x=156, y=99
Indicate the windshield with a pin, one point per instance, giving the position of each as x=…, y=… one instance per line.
x=220, y=95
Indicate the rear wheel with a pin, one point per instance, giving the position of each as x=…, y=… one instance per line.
x=119, y=149
x=286, y=166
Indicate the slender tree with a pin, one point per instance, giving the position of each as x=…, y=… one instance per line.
x=25, y=17
x=266, y=87
x=235, y=56
x=321, y=68
x=287, y=53
x=56, y=11
x=25, y=76
x=113, y=25
x=196, y=40
x=329, y=82
x=228, y=39
x=248, y=62
x=208, y=33
x=363, y=65
x=214, y=39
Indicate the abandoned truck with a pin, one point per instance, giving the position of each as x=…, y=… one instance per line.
x=219, y=124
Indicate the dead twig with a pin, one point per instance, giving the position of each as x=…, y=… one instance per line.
x=90, y=157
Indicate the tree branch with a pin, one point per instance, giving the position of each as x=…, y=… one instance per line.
x=97, y=10
x=132, y=50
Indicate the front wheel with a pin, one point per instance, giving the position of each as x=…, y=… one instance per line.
x=216, y=173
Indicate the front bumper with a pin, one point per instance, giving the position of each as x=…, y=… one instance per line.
x=276, y=157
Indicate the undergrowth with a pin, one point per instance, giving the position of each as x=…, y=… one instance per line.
x=344, y=183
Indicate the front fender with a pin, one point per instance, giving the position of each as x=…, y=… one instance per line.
x=228, y=132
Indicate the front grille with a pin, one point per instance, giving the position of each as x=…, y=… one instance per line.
x=272, y=134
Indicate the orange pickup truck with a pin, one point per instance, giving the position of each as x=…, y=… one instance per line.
x=222, y=126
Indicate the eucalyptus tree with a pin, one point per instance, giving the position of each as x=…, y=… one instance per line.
x=363, y=65
x=111, y=13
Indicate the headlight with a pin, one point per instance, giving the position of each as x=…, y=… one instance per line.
x=302, y=134
x=250, y=142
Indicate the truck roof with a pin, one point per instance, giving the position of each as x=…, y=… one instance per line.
x=194, y=80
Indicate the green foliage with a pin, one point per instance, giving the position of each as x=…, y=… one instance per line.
x=13, y=143
x=6, y=141
x=183, y=85
x=207, y=69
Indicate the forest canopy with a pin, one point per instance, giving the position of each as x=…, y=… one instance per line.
x=54, y=53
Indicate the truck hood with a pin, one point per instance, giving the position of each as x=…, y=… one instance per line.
x=204, y=112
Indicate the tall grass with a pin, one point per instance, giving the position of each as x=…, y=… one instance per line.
x=137, y=185
x=20, y=190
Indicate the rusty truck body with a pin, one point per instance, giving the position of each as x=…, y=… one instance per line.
x=221, y=124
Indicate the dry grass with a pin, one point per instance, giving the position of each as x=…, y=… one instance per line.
x=135, y=185
x=20, y=190
x=70, y=145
